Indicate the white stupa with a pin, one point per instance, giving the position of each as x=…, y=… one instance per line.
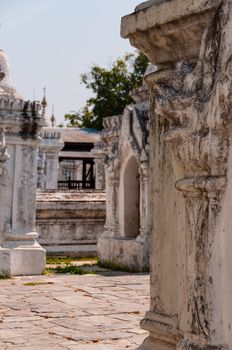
x=6, y=83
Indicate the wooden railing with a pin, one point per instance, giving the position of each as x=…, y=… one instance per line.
x=75, y=185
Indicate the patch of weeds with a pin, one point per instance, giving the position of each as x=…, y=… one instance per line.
x=32, y=284
x=92, y=258
x=4, y=277
x=56, y=261
x=48, y=272
x=73, y=270
x=116, y=266
x=68, y=260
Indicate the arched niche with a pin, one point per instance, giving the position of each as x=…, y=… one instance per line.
x=131, y=198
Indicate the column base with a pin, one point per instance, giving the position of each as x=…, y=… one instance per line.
x=5, y=262
x=154, y=344
x=127, y=254
x=164, y=334
x=22, y=259
x=190, y=345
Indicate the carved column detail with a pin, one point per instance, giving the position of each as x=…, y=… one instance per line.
x=144, y=201
x=3, y=150
x=112, y=184
x=41, y=181
x=99, y=156
x=190, y=170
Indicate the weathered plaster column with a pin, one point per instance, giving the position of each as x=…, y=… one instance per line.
x=190, y=168
x=3, y=150
x=144, y=231
x=4, y=253
x=109, y=140
x=51, y=146
x=144, y=201
x=20, y=253
x=112, y=184
x=99, y=156
x=52, y=170
x=41, y=181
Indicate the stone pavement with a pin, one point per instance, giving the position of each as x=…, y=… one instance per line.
x=73, y=312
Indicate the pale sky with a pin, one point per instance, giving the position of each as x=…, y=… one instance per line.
x=51, y=42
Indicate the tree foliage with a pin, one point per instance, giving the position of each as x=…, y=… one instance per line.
x=111, y=90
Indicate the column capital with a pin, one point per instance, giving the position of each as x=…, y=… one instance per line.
x=164, y=29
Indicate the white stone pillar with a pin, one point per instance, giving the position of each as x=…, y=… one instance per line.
x=51, y=146
x=4, y=253
x=18, y=190
x=112, y=184
x=99, y=173
x=190, y=164
x=3, y=150
x=144, y=235
x=20, y=253
x=52, y=170
x=99, y=157
x=144, y=202
x=41, y=170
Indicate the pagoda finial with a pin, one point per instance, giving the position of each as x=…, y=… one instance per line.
x=44, y=102
x=53, y=119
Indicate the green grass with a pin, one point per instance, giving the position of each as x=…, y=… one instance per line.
x=92, y=258
x=73, y=270
x=48, y=272
x=4, y=277
x=56, y=261
x=32, y=284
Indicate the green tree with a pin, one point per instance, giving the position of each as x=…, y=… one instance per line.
x=73, y=119
x=82, y=119
x=111, y=90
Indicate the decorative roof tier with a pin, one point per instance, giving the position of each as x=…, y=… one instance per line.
x=16, y=114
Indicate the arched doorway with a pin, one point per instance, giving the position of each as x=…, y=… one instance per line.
x=131, y=198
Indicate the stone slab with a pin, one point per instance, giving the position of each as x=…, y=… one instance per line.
x=69, y=223
x=72, y=328
x=22, y=260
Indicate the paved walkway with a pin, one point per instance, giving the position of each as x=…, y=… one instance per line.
x=73, y=312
